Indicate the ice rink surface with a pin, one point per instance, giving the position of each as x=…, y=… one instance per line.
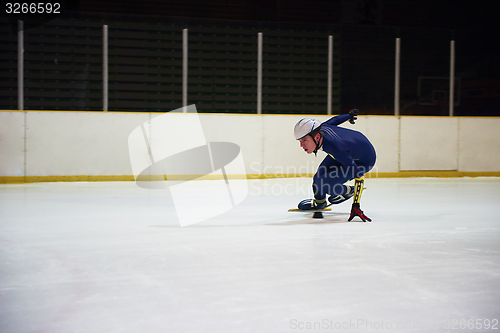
x=111, y=257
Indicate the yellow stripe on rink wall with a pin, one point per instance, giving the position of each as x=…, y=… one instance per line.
x=434, y=173
x=84, y=178
x=46, y=179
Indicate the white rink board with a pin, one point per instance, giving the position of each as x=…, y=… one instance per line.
x=96, y=143
x=383, y=133
x=79, y=143
x=479, y=144
x=12, y=144
x=244, y=130
x=429, y=143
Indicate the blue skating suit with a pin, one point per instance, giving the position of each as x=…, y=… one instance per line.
x=350, y=156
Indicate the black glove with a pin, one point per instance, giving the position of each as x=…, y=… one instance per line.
x=353, y=113
x=356, y=211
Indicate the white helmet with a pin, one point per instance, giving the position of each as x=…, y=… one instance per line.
x=304, y=127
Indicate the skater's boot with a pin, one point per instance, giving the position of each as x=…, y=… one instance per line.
x=336, y=199
x=312, y=204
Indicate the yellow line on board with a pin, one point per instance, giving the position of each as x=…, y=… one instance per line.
x=87, y=178
x=252, y=114
x=80, y=178
x=433, y=173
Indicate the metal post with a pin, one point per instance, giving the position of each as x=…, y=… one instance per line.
x=397, y=76
x=452, y=76
x=184, y=69
x=330, y=70
x=20, y=65
x=104, y=68
x=259, y=73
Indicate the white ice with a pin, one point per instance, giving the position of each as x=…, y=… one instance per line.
x=111, y=257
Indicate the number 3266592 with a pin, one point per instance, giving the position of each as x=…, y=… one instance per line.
x=479, y=324
x=33, y=8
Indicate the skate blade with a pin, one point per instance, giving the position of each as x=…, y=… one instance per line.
x=326, y=209
x=309, y=210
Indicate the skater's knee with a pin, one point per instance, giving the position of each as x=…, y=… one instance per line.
x=332, y=188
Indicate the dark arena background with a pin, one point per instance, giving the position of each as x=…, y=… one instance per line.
x=63, y=56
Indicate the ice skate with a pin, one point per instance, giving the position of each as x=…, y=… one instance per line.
x=336, y=199
x=312, y=204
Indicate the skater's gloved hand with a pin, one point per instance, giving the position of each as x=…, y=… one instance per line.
x=356, y=211
x=353, y=113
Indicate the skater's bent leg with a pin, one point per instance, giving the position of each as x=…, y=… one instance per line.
x=331, y=183
x=358, y=189
x=320, y=187
x=331, y=177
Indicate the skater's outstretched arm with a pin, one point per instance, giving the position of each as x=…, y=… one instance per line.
x=337, y=120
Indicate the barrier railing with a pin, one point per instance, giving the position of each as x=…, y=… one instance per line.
x=246, y=67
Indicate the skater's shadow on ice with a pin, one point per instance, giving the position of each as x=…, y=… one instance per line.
x=328, y=218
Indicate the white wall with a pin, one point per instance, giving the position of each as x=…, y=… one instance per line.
x=95, y=143
x=383, y=132
x=429, y=143
x=12, y=143
x=479, y=144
